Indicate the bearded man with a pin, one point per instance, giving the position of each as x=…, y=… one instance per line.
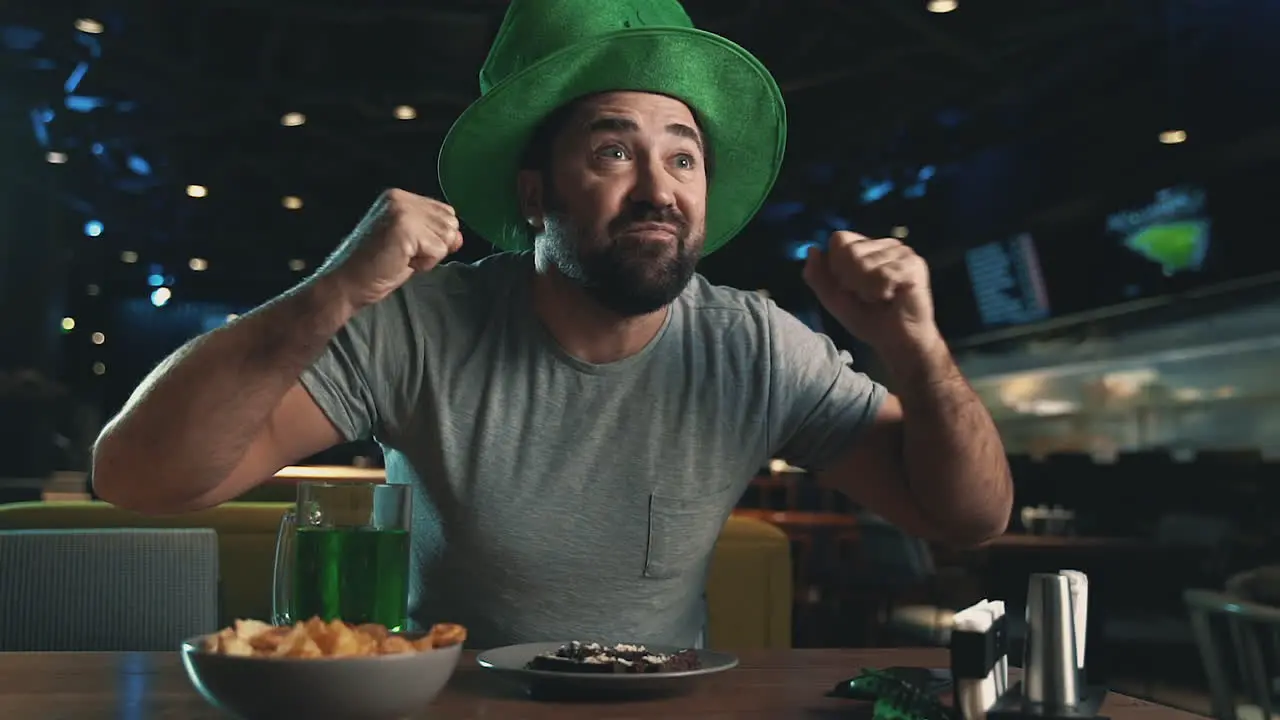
x=578, y=414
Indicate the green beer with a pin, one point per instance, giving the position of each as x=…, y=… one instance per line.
x=356, y=574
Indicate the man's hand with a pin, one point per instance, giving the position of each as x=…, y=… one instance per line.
x=401, y=234
x=877, y=289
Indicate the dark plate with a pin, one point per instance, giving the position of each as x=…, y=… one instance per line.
x=510, y=662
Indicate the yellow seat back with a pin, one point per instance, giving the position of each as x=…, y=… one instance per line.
x=749, y=584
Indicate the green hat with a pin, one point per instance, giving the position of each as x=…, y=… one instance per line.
x=551, y=52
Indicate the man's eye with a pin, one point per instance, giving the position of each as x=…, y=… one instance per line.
x=685, y=161
x=613, y=152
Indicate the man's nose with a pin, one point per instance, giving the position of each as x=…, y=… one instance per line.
x=654, y=185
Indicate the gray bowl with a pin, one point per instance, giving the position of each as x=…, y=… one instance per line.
x=362, y=688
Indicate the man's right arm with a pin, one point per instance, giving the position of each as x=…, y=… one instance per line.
x=226, y=411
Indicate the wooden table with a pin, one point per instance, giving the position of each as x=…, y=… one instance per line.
x=800, y=520
x=1022, y=541
x=328, y=473
x=778, y=685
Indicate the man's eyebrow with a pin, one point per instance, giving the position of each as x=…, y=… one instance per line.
x=622, y=124
x=684, y=131
x=613, y=124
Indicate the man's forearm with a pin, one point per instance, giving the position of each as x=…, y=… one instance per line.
x=953, y=457
x=192, y=419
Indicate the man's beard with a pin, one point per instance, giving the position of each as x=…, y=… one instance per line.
x=627, y=275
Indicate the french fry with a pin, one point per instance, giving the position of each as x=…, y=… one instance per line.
x=316, y=638
x=394, y=645
x=446, y=634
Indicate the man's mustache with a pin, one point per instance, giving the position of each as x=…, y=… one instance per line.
x=639, y=213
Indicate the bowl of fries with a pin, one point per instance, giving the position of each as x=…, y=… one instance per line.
x=322, y=669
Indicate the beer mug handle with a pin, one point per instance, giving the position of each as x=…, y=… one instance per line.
x=282, y=580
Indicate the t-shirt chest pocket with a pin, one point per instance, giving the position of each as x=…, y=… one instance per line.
x=683, y=531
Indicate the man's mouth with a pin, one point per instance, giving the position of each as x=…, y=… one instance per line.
x=651, y=230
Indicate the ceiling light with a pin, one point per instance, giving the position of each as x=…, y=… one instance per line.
x=99, y=369
x=292, y=202
x=56, y=158
x=942, y=6
x=293, y=119
x=68, y=323
x=404, y=112
x=197, y=191
x=129, y=257
x=297, y=265
x=899, y=231
x=92, y=290
x=198, y=264
x=1173, y=137
x=89, y=25
x=98, y=338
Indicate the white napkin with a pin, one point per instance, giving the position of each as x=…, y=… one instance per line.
x=1001, y=668
x=976, y=696
x=1078, y=586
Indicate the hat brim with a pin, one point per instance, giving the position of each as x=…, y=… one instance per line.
x=734, y=97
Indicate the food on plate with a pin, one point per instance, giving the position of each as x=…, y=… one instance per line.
x=590, y=657
x=316, y=638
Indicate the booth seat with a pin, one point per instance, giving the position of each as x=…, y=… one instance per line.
x=749, y=584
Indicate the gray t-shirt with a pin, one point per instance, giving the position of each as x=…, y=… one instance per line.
x=557, y=499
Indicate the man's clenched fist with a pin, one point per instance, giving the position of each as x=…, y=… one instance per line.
x=877, y=288
x=401, y=234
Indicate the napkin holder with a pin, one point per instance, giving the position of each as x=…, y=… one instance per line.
x=1053, y=683
x=975, y=654
x=1014, y=705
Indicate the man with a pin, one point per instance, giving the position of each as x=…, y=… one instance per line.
x=578, y=420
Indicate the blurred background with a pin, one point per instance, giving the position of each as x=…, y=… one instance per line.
x=1088, y=181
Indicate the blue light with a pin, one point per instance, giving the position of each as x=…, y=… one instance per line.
x=97, y=149
x=93, y=228
x=73, y=80
x=160, y=296
x=155, y=269
x=138, y=165
x=132, y=689
x=926, y=173
x=40, y=120
x=83, y=103
x=800, y=250
x=155, y=281
x=875, y=190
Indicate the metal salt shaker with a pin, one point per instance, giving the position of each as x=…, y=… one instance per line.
x=1052, y=672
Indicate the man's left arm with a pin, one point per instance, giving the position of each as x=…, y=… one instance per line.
x=931, y=461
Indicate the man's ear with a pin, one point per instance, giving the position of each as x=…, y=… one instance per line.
x=529, y=185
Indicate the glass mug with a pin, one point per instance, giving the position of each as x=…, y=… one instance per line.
x=343, y=553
